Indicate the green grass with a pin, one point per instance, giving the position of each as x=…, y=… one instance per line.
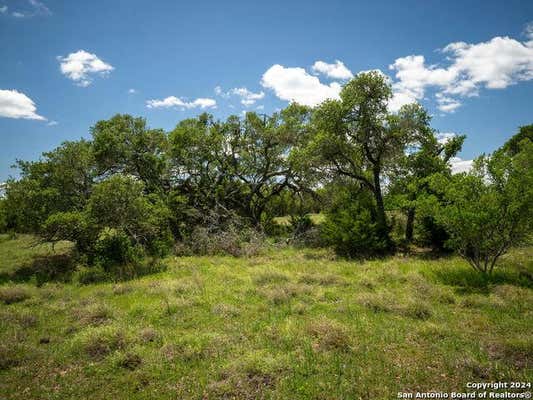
x=23, y=249
x=290, y=324
x=317, y=219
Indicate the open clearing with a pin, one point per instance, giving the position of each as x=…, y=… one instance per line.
x=290, y=323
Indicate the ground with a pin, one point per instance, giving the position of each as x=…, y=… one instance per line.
x=287, y=324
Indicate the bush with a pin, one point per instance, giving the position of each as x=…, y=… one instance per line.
x=231, y=238
x=88, y=275
x=113, y=247
x=351, y=227
x=489, y=210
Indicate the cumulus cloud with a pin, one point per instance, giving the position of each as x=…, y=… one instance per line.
x=132, y=91
x=247, y=97
x=295, y=84
x=173, y=101
x=14, y=104
x=337, y=70
x=495, y=64
x=459, y=165
x=446, y=104
x=82, y=66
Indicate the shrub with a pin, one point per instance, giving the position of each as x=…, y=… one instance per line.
x=231, y=239
x=351, y=227
x=88, y=275
x=114, y=247
x=489, y=210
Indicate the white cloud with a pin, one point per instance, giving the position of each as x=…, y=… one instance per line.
x=247, y=97
x=52, y=123
x=295, y=84
x=336, y=71
x=399, y=99
x=14, y=104
x=459, y=165
x=39, y=8
x=446, y=104
x=132, y=91
x=495, y=64
x=445, y=137
x=36, y=8
x=173, y=101
x=81, y=66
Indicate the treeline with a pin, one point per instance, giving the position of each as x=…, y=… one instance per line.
x=382, y=180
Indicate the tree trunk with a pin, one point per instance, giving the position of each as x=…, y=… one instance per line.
x=409, y=225
x=380, y=207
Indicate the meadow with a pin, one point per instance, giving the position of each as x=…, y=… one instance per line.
x=287, y=323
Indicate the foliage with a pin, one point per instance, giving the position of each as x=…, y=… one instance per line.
x=351, y=225
x=489, y=210
x=218, y=186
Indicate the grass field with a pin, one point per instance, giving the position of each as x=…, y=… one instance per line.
x=289, y=324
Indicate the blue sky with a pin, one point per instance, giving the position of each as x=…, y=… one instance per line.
x=67, y=64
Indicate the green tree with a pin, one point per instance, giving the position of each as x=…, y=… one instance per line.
x=489, y=210
x=424, y=156
x=358, y=138
x=61, y=181
x=260, y=150
x=124, y=144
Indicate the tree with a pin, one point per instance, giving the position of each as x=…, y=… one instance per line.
x=124, y=144
x=357, y=137
x=260, y=151
x=61, y=181
x=489, y=210
x=425, y=155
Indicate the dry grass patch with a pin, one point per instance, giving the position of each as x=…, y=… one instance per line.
x=329, y=334
x=250, y=377
x=270, y=277
x=148, y=335
x=14, y=294
x=225, y=310
x=98, y=342
x=94, y=314
x=128, y=360
x=321, y=279
x=122, y=289
x=194, y=347
x=378, y=302
x=517, y=352
x=284, y=293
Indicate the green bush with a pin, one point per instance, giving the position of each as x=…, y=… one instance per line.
x=88, y=275
x=351, y=227
x=114, y=247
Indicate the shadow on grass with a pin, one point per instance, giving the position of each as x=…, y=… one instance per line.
x=466, y=280
x=48, y=268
